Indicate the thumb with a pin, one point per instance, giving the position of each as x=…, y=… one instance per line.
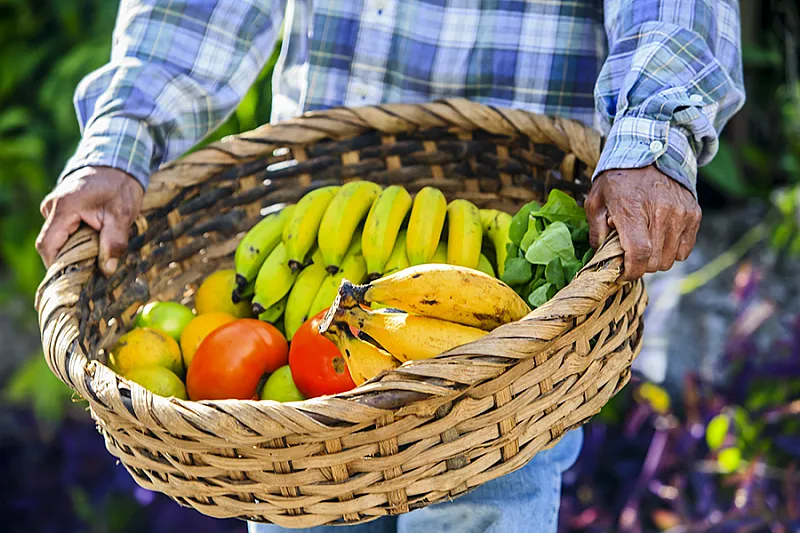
x=113, y=242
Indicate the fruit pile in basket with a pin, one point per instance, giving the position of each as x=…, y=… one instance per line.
x=349, y=282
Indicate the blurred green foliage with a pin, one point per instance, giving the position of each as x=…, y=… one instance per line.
x=46, y=47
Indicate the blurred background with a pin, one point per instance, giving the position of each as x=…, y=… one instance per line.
x=707, y=437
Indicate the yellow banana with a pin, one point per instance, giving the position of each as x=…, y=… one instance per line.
x=495, y=223
x=447, y=292
x=274, y=280
x=353, y=267
x=345, y=212
x=405, y=336
x=257, y=244
x=364, y=359
x=302, y=295
x=425, y=225
x=399, y=258
x=485, y=266
x=275, y=311
x=464, y=234
x=300, y=231
x=440, y=255
x=382, y=226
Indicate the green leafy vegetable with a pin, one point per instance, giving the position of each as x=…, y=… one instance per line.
x=561, y=207
x=519, y=222
x=517, y=272
x=554, y=273
x=554, y=241
x=543, y=293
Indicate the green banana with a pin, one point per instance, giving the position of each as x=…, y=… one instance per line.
x=485, y=266
x=275, y=311
x=382, y=226
x=464, y=234
x=440, y=255
x=353, y=267
x=425, y=225
x=302, y=296
x=495, y=224
x=398, y=260
x=343, y=215
x=257, y=244
x=300, y=230
x=274, y=280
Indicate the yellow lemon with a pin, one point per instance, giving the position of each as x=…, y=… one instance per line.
x=214, y=296
x=198, y=329
x=159, y=380
x=144, y=347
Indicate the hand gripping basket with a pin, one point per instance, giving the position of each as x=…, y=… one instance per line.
x=424, y=433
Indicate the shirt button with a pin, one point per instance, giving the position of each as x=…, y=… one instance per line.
x=656, y=146
x=696, y=98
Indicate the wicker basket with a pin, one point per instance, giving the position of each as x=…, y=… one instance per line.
x=425, y=433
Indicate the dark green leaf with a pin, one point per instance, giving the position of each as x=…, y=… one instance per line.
x=519, y=222
x=530, y=235
x=517, y=271
x=587, y=256
x=554, y=241
x=554, y=273
x=571, y=268
x=561, y=207
x=580, y=232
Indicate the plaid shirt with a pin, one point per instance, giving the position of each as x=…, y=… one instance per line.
x=658, y=77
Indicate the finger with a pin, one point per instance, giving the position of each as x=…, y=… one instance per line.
x=634, y=238
x=669, y=252
x=688, y=237
x=46, y=206
x=113, y=242
x=60, y=224
x=659, y=226
x=599, y=228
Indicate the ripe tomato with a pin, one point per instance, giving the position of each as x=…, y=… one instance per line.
x=317, y=366
x=231, y=361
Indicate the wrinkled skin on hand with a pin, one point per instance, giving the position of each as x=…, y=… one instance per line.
x=105, y=198
x=657, y=218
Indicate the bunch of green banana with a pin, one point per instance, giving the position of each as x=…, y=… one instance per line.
x=495, y=224
x=382, y=228
x=302, y=226
x=301, y=297
x=353, y=267
x=257, y=245
x=275, y=279
x=344, y=214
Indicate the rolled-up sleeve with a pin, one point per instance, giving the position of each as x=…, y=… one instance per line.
x=672, y=79
x=178, y=68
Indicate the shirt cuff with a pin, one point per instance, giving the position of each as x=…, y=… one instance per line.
x=118, y=142
x=636, y=142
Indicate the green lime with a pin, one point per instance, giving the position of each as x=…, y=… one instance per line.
x=169, y=317
x=159, y=380
x=280, y=387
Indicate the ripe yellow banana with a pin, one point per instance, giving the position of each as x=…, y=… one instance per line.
x=364, y=359
x=274, y=280
x=382, y=226
x=464, y=234
x=399, y=258
x=345, y=212
x=405, y=336
x=425, y=225
x=302, y=295
x=275, y=311
x=257, y=244
x=485, y=266
x=447, y=292
x=353, y=267
x=300, y=231
x=495, y=223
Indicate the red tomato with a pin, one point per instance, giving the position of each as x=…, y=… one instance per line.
x=317, y=366
x=231, y=361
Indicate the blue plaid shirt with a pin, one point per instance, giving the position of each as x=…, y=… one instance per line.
x=658, y=77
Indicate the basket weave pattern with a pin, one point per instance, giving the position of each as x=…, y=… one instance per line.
x=424, y=433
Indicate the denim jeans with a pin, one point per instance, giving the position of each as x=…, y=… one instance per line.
x=523, y=501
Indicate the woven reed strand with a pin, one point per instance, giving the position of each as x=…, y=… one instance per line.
x=425, y=433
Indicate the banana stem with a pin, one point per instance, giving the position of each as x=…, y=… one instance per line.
x=730, y=257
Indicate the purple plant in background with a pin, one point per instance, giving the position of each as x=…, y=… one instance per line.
x=725, y=458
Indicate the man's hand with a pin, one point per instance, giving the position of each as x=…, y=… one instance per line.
x=657, y=218
x=105, y=198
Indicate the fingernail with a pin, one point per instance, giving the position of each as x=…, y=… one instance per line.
x=111, y=265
